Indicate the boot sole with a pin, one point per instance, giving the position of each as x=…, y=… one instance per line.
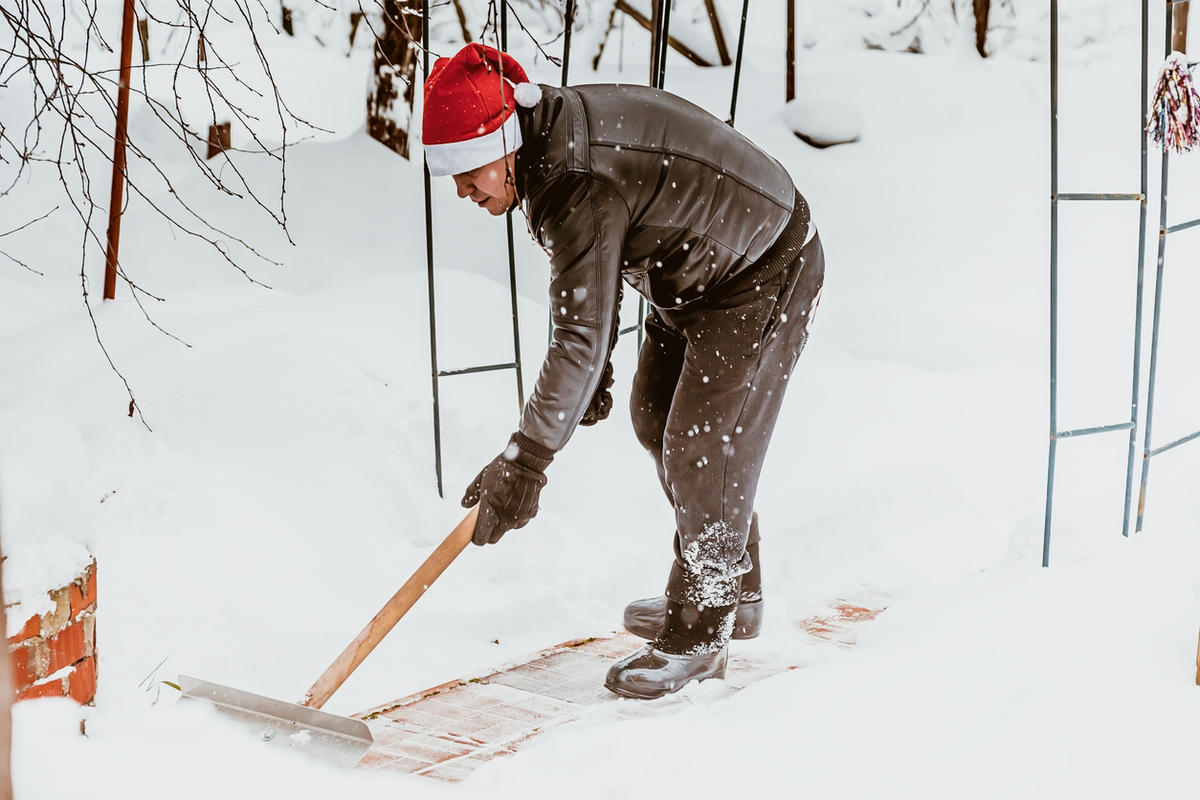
x=625, y=691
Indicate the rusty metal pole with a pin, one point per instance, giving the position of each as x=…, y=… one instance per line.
x=118, y=175
x=1179, y=17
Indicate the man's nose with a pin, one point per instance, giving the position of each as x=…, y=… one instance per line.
x=463, y=187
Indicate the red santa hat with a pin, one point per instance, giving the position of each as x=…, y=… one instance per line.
x=469, y=103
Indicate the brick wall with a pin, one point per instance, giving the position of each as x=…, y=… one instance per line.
x=54, y=654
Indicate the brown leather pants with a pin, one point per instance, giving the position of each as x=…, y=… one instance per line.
x=707, y=393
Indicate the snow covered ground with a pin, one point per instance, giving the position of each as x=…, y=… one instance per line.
x=287, y=486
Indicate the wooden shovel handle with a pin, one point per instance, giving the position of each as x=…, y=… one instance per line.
x=404, y=599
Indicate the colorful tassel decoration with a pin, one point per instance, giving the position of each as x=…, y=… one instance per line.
x=1175, y=110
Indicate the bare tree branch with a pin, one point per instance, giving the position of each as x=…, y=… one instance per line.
x=56, y=51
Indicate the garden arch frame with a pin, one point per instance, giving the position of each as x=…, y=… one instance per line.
x=1175, y=39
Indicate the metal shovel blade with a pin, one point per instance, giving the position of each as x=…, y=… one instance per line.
x=338, y=739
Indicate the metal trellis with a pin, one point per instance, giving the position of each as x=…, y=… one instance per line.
x=659, y=45
x=436, y=373
x=1055, y=198
x=1164, y=230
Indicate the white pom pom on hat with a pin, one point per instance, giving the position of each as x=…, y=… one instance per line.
x=527, y=94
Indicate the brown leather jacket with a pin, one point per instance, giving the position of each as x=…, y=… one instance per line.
x=628, y=182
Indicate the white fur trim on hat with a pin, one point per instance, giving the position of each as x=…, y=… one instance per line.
x=527, y=94
x=455, y=157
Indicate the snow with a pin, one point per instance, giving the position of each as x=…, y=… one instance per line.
x=1013, y=683
x=33, y=569
x=823, y=121
x=287, y=486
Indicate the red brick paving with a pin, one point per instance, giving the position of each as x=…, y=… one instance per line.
x=836, y=625
x=448, y=731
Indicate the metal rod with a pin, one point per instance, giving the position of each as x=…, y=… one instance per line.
x=655, y=16
x=641, y=326
x=663, y=46
x=658, y=76
x=570, y=23
x=1154, y=329
x=570, y=17
x=1158, y=289
x=480, y=368
x=512, y=257
x=117, y=192
x=1076, y=433
x=1053, y=280
x=660, y=13
x=790, y=50
x=1049, y=502
x=1183, y=226
x=516, y=320
x=737, y=65
x=1174, y=444
x=1102, y=196
x=433, y=359
x=1141, y=277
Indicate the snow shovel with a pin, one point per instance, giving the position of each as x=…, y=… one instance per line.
x=303, y=725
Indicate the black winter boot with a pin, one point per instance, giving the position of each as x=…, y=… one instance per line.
x=693, y=646
x=645, y=618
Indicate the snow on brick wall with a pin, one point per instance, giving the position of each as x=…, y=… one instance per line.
x=54, y=653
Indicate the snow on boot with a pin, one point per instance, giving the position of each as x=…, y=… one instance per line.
x=645, y=618
x=693, y=646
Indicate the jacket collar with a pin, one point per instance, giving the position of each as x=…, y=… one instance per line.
x=537, y=131
x=530, y=141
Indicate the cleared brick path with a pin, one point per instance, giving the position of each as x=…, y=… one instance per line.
x=448, y=731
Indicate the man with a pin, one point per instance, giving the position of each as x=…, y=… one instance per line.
x=632, y=183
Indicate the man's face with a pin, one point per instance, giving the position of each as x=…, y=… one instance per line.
x=489, y=186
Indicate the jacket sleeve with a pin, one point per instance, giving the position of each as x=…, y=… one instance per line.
x=582, y=224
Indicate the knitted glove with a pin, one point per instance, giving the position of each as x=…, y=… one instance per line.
x=507, y=489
